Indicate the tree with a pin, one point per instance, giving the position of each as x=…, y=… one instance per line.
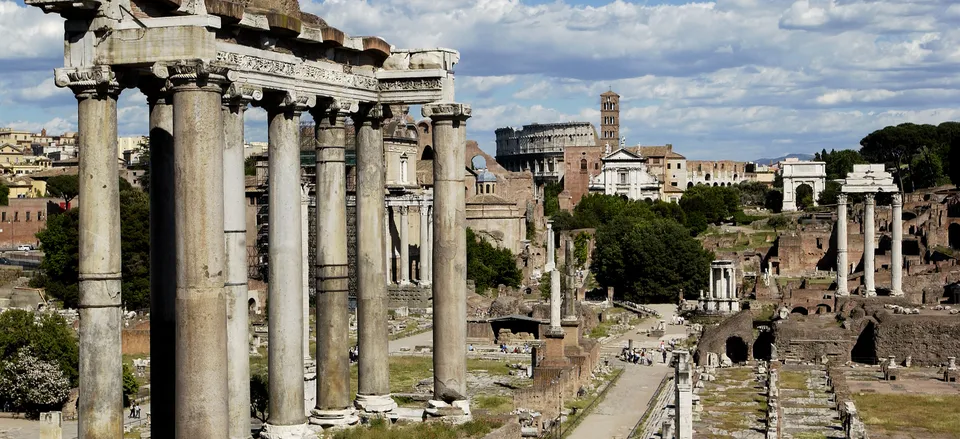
x=551, y=198
x=898, y=145
x=49, y=337
x=714, y=202
x=489, y=266
x=649, y=261
x=4, y=194
x=143, y=164
x=927, y=169
x=839, y=163
x=774, y=201
x=60, y=242
x=778, y=222
x=804, y=195
x=64, y=186
x=581, y=246
x=753, y=193
x=130, y=385
x=250, y=165
x=31, y=384
x=259, y=396
x=830, y=193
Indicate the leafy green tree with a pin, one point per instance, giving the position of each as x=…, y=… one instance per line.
x=649, y=261
x=829, y=194
x=581, y=246
x=489, y=266
x=130, y=385
x=839, y=163
x=250, y=165
x=551, y=198
x=774, y=201
x=667, y=210
x=714, y=202
x=64, y=186
x=753, y=193
x=898, y=146
x=778, y=222
x=804, y=194
x=49, y=337
x=927, y=169
x=60, y=242
x=4, y=194
x=259, y=396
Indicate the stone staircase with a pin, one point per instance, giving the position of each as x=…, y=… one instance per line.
x=734, y=405
x=808, y=405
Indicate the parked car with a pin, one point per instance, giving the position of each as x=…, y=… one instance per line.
x=24, y=248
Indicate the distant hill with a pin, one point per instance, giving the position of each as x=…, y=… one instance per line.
x=788, y=156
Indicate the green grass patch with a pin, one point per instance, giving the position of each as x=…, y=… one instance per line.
x=810, y=435
x=495, y=404
x=933, y=413
x=793, y=380
x=379, y=429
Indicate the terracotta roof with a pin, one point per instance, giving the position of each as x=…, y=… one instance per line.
x=488, y=199
x=609, y=93
x=659, y=151
x=673, y=190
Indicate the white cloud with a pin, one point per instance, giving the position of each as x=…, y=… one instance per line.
x=28, y=33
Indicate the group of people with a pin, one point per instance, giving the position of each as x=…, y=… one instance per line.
x=644, y=356
x=134, y=410
x=678, y=320
x=354, y=354
x=525, y=349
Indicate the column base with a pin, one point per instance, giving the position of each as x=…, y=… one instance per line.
x=333, y=418
x=870, y=293
x=424, y=283
x=896, y=293
x=405, y=283
x=299, y=431
x=844, y=293
x=375, y=403
x=456, y=412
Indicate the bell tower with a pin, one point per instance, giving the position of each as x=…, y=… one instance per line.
x=610, y=119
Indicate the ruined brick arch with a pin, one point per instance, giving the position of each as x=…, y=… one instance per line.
x=823, y=308
x=427, y=153
x=799, y=310
x=737, y=349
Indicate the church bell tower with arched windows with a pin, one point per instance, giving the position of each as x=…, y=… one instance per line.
x=610, y=119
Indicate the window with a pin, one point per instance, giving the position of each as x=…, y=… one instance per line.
x=39, y=215
x=28, y=216
x=673, y=183
x=668, y=165
x=3, y=216
x=583, y=165
x=596, y=166
x=16, y=217
x=623, y=177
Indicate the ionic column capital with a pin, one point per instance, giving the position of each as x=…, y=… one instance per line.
x=193, y=75
x=239, y=94
x=89, y=82
x=446, y=111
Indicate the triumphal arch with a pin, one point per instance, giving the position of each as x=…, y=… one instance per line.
x=201, y=64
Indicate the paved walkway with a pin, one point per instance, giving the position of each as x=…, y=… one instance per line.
x=421, y=339
x=626, y=401
x=26, y=429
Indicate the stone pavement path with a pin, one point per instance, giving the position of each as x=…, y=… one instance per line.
x=626, y=401
x=421, y=339
x=26, y=429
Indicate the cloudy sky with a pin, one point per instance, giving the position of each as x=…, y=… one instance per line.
x=737, y=79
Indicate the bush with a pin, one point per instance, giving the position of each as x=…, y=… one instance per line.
x=32, y=385
x=489, y=266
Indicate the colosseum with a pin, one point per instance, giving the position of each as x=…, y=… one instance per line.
x=538, y=148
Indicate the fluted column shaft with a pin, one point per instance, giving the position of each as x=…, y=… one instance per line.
x=555, y=298
x=842, y=264
x=869, y=246
x=305, y=272
x=235, y=241
x=896, y=258
x=200, y=308
x=428, y=267
x=333, y=362
x=387, y=246
x=424, y=244
x=163, y=266
x=449, y=244
x=374, y=377
x=100, y=405
x=404, y=245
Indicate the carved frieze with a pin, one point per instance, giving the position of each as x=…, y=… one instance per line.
x=450, y=110
x=301, y=71
x=411, y=84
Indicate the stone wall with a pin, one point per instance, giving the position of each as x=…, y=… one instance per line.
x=803, y=340
x=135, y=342
x=714, y=338
x=510, y=430
x=928, y=339
x=580, y=163
x=412, y=296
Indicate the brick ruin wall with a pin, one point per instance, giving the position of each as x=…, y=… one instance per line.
x=714, y=338
x=929, y=340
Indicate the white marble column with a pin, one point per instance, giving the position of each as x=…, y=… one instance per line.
x=555, y=298
x=428, y=267
x=201, y=309
x=896, y=258
x=424, y=244
x=404, y=246
x=713, y=286
x=449, y=245
x=373, y=390
x=285, y=277
x=235, y=102
x=869, y=245
x=387, y=246
x=99, y=406
x=550, y=265
x=842, y=264
x=305, y=271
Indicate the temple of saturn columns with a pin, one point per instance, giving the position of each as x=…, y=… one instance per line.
x=200, y=64
x=870, y=180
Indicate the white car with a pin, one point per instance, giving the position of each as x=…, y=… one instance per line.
x=24, y=248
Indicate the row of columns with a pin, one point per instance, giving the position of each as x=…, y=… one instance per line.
x=870, y=245
x=402, y=272
x=198, y=270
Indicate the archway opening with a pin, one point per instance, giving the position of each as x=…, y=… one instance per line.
x=252, y=306
x=823, y=309
x=804, y=196
x=763, y=346
x=478, y=162
x=427, y=153
x=954, y=234
x=689, y=185
x=737, y=350
x=799, y=310
x=865, y=351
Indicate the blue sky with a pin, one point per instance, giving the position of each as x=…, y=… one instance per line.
x=736, y=79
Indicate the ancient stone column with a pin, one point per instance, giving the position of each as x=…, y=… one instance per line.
x=842, y=264
x=896, y=257
x=387, y=244
x=333, y=362
x=373, y=387
x=449, y=249
x=201, y=306
x=100, y=406
x=235, y=102
x=424, y=245
x=305, y=273
x=285, y=277
x=404, y=246
x=869, y=245
x=163, y=264
x=551, y=254
x=683, y=411
x=713, y=286
x=428, y=267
